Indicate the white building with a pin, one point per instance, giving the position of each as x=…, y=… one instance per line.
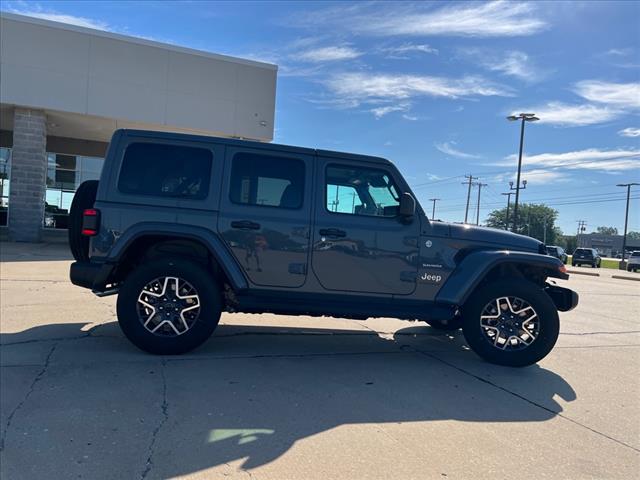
x=65, y=89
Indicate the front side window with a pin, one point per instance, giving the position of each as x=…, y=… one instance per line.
x=266, y=180
x=163, y=170
x=361, y=191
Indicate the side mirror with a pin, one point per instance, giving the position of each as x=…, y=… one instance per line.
x=407, y=207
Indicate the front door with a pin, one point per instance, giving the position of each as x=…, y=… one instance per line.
x=359, y=242
x=265, y=214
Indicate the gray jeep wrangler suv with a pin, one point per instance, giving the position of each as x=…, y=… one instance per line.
x=183, y=227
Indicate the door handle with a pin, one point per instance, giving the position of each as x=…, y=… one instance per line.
x=333, y=232
x=245, y=225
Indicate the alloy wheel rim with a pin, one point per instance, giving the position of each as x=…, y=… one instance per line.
x=168, y=306
x=509, y=323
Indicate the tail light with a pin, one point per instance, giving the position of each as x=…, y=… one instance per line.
x=90, y=222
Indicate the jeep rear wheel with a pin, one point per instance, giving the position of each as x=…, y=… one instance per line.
x=169, y=306
x=511, y=322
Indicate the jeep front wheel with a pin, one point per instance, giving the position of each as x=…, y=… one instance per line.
x=169, y=306
x=511, y=322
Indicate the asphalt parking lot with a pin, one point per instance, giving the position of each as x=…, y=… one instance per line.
x=276, y=397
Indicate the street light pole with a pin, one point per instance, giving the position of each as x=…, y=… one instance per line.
x=506, y=223
x=626, y=221
x=524, y=117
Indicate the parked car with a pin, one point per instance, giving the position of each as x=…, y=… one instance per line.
x=586, y=256
x=633, y=263
x=557, y=252
x=184, y=227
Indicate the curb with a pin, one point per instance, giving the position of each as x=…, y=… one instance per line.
x=621, y=277
x=579, y=272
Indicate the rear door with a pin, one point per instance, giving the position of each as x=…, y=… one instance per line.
x=359, y=242
x=265, y=214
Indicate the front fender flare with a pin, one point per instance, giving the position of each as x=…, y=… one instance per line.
x=475, y=266
x=213, y=243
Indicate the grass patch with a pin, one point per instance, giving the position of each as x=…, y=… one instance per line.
x=605, y=263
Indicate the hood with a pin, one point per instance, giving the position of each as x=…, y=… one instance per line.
x=495, y=237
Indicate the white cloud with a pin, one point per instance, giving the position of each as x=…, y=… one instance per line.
x=474, y=19
x=558, y=113
x=588, y=159
x=37, y=12
x=513, y=63
x=623, y=95
x=403, y=51
x=533, y=177
x=359, y=87
x=327, y=54
x=629, y=132
x=411, y=118
x=449, y=149
x=380, y=112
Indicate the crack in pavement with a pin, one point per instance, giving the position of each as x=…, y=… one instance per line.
x=165, y=416
x=27, y=395
x=522, y=397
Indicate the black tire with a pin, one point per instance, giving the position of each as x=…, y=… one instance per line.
x=448, y=325
x=84, y=198
x=573, y=264
x=594, y=265
x=547, y=315
x=210, y=306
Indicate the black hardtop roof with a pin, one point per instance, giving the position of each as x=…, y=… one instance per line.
x=248, y=143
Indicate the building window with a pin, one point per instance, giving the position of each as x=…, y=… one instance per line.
x=5, y=173
x=266, y=180
x=361, y=191
x=65, y=173
x=166, y=171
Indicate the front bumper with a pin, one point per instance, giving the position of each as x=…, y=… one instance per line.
x=564, y=298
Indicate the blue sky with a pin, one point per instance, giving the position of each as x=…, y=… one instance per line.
x=428, y=85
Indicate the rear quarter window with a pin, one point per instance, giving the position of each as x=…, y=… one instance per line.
x=162, y=170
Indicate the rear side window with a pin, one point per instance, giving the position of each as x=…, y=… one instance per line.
x=265, y=180
x=165, y=170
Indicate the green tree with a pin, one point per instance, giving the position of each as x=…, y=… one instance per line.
x=533, y=220
x=633, y=235
x=607, y=230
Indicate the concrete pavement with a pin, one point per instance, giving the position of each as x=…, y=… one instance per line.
x=279, y=397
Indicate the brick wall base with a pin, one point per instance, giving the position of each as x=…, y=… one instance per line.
x=28, y=175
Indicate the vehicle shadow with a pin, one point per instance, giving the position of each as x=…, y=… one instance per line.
x=252, y=392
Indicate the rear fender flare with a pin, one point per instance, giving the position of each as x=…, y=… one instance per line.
x=213, y=243
x=476, y=265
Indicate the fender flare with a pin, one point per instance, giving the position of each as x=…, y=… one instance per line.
x=475, y=266
x=209, y=239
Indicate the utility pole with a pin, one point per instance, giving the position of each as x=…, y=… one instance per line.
x=515, y=210
x=621, y=265
x=506, y=223
x=470, y=182
x=480, y=185
x=582, y=226
x=433, y=211
x=544, y=231
x=525, y=117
